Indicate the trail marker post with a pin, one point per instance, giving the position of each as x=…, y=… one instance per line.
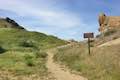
x=89, y=35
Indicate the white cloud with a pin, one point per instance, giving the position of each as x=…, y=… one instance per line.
x=48, y=17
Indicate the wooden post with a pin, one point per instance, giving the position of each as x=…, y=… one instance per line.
x=89, y=46
x=88, y=36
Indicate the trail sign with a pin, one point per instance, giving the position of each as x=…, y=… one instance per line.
x=89, y=35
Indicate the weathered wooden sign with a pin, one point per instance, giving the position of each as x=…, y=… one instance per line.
x=88, y=35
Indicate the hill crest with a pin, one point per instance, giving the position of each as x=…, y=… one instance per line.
x=9, y=23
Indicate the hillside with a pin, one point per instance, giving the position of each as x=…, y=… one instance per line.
x=12, y=38
x=12, y=34
x=9, y=23
x=110, y=43
x=107, y=36
x=102, y=64
x=23, y=53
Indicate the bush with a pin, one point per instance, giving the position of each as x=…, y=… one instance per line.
x=109, y=32
x=27, y=44
x=115, y=37
x=41, y=54
x=29, y=60
x=2, y=50
x=28, y=56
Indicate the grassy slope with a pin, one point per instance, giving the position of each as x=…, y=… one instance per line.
x=22, y=60
x=103, y=64
x=107, y=36
x=11, y=38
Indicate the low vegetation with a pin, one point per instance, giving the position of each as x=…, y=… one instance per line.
x=110, y=32
x=22, y=63
x=102, y=64
x=107, y=36
x=2, y=50
x=14, y=38
x=22, y=54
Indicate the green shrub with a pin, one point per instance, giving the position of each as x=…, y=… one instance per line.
x=2, y=50
x=27, y=44
x=41, y=54
x=28, y=56
x=29, y=60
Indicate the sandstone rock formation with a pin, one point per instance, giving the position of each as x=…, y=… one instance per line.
x=108, y=22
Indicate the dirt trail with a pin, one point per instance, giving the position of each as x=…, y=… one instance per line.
x=113, y=42
x=59, y=73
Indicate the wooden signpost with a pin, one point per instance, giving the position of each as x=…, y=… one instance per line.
x=89, y=35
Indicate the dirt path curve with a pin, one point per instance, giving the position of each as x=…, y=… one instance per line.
x=59, y=73
x=113, y=42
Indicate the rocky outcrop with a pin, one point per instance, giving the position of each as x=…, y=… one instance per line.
x=9, y=23
x=108, y=22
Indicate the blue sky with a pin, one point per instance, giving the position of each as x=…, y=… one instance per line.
x=67, y=19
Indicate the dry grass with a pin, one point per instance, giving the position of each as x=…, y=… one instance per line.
x=107, y=36
x=103, y=64
x=6, y=75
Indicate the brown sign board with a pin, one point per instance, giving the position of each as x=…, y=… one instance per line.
x=88, y=35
